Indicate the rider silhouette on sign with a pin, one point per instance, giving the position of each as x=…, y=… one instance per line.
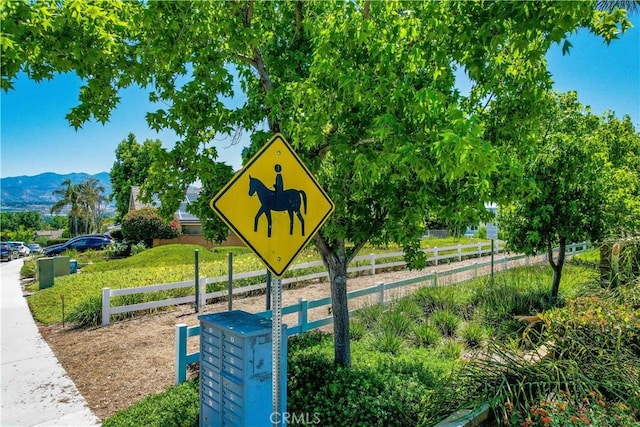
x=279, y=186
x=279, y=200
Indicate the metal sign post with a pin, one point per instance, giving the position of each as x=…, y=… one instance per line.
x=268, y=291
x=276, y=356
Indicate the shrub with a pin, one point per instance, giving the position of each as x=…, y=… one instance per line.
x=408, y=307
x=450, y=349
x=144, y=225
x=473, y=334
x=370, y=315
x=137, y=248
x=28, y=269
x=446, y=321
x=452, y=298
x=178, y=406
x=396, y=323
x=425, y=335
x=481, y=232
x=117, y=235
x=597, y=322
x=87, y=313
x=338, y=395
x=118, y=250
x=385, y=341
x=356, y=330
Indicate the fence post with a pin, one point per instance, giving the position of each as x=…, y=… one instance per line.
x=203, y=291
x=181, y=353
x=373, y=263
x=505, y=263
x=106, y=306
x=197, y=280
x=435, y=254
x=380, y=286
x=434, y=273
x=230, y=286
x=459, y=252
x=479, y=250
x=303, y=314
x=475, y=269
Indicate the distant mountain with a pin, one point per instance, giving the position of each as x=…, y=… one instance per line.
x=21, y=192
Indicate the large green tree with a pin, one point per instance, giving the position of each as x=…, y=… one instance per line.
x=131, y=168
x=365, y=91
x=620, y=144
x=585, y=183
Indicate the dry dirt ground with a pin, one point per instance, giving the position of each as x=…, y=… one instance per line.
x=115, y=366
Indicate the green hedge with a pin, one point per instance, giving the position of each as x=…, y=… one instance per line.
x=176, y=407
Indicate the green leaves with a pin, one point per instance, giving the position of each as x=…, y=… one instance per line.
x=579, y=175
x=364, y=91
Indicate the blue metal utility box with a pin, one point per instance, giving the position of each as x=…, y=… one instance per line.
x=235, y=370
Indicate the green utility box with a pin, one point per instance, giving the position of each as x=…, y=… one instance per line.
x=61, y=265
x=45, y=272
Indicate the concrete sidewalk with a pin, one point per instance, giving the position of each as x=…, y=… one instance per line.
x=36, y=390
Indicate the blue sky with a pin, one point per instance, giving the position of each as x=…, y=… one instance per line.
x=35, y=136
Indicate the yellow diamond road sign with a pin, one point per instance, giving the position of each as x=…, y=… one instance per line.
x=274, y=205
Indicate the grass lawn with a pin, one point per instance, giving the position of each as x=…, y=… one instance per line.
x=163, y=264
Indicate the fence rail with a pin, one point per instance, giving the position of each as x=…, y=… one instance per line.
x=302, y=307
x=364, y=263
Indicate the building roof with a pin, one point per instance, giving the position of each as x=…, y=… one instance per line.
x=50, y=234
x=182, y=215
x=135, y=203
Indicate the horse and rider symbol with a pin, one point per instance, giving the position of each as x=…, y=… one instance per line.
x=278, y=200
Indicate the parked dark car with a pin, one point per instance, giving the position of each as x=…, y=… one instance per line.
x=34, y=248
x=7, y=252
x=80, y=243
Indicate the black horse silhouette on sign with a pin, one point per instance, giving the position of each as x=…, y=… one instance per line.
x=287, y=200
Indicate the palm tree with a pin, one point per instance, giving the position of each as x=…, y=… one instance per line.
x=70, y=197
x=631, y=6
x=91, y=198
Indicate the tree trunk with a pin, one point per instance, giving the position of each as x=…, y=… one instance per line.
x=557, y=267
x=605, y=263
x=336, y=261
x=340, y=311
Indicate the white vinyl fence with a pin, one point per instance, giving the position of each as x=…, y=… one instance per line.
x=361, y=264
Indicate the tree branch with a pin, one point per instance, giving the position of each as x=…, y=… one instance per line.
x=244, y=58
x=299, y=18
x=367, y=7
x=486, y=104
x=248, y=13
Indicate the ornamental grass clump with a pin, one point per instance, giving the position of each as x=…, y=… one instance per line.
x=473, y=334
x=446, y=322
x=425, y=335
